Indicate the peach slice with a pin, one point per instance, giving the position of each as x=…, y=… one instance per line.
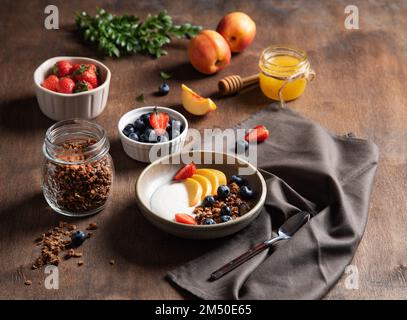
x=212, y=177
x=196, y=104
x=194, y=189
x=205, y=184
x=221, y=176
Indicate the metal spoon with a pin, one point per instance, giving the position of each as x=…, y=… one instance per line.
x=285, y=232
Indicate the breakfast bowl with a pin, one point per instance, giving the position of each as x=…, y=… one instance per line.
x=81, y=105
x=145, y=151
x=160, y=198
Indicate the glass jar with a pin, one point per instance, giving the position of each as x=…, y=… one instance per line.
x=78, y=170
x=284, y=73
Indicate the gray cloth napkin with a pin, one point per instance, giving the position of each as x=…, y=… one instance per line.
x=308, y=169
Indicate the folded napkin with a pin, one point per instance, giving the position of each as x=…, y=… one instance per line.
x=308, y=169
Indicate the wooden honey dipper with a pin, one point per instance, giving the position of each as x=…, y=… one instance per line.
x=235, y=83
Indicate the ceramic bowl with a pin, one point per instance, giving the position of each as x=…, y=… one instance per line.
x=140, y=151
x=62, y=106
x=160, y=172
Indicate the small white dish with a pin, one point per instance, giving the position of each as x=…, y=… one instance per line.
x=140, y=151
x=62, y=106
x=162, y=171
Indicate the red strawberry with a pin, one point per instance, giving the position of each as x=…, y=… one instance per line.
x=65, y=85
x=91, y=66
x=87, y=73
x=257, y=134
x=186, y=171
x=184, y=218
x=62, y=68
x=51, y=82
x=159, y=121
x=81, y=86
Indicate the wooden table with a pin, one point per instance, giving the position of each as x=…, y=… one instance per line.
x=360, y=88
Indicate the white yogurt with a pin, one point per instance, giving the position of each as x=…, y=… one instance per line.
x=170, y=199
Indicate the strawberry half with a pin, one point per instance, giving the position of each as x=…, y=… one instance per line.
x=51, y=82
x=257, y=134
x=62, y=68
x=184, y=218
x=186, y=171
x=159, y=121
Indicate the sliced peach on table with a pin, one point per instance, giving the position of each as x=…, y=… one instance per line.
x=205, y=184
x=221, y=176
x=194, y=190
x=212, y=177
x=196, y=104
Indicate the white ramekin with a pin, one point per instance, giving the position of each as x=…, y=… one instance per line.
x=140, y=151
x=61, y=106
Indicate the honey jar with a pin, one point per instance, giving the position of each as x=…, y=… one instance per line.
x=284, y=73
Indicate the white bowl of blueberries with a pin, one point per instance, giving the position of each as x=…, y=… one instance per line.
x=152, y=131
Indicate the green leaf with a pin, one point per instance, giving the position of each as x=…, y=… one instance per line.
x=165, y=75
x=140, y=98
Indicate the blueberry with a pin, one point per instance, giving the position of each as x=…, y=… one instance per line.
x=128, y=129
x=225, y=211
x=225, y=218
x=209, y=221
x=241, y=146
x=143, y=138
x=134, y=136
x=169, y=126
x=139, y=125
x=223, y=191
x=163, y=89
x=209, y=201
x=151, y=135
x=146, y=119
x=246, y=192
x=238, y=180
x=78, y=237
x=163, y=138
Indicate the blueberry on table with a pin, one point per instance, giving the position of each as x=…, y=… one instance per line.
x=139, y=125
x=208, y=201
x=162, y=138
x=225, y=218
x=146, y=119
x=238, y=180
x=246, y=192
x=209, y=221
x=241, y=146
x=163, y=89
x=223, y=191
x=134, y=136
x=128, y=129
x=225, y=211
x=78, y=237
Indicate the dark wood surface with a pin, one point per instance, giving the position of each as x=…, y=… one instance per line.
x=360, y=87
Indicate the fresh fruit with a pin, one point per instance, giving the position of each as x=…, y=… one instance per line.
x=65, y=85
x=51, y=82
x=162, y=138
x=238, y=29
x=62, y=68
x=159, y=121
x=223, y=191
x=238, y=180
x=82, y=86
x=151, y=135
x=212, y=177
x=209, y=52
x=87, y=73
x=146, y=119
x=225, y=218
x=185, y=172
x=194, y=189
x=221, y=176
x=78, y=237
x=128, y=129
x=241, y=146
x=225, y=211
x=246, y=192
x=184, y=218
x=134, y=136
x=196, y=104
x=209, y=221
x=205, y=184
x=208, y=201
x=257, y=134
x=139, y=125
x=163, y=89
